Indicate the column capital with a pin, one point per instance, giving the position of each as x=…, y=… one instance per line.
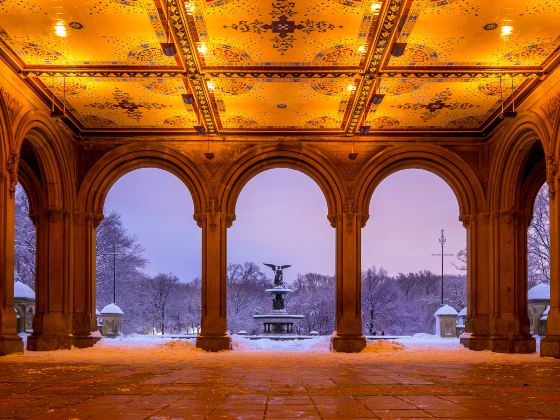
x=85, y=217
x=13, y=162
x=470, y=219
x=508, y=216
x=51, y=214
x=229, y=219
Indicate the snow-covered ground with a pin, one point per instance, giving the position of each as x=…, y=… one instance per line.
x=315, y=344
x=145, y=348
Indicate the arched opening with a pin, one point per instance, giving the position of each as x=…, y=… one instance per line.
x=538, y=264
x=281, y=219
x=29, y=200
x=402, y=272
x=148, y=257
x=25, y=238
x=535, y=251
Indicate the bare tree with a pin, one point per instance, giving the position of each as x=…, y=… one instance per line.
x=538, y=240
x=380, y=299
x=314, y=297
x=462, y=258
x=112, y=235
x=245, y=294
x=156, y=294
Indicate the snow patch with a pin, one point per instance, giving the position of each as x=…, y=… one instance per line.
x=382, y=345
x=111, y=308
x=22, y=290
x=445, y=310
x=181, y=345
x=315, y=344
x=539, y=292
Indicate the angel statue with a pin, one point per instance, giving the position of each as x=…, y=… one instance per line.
x=278, y=275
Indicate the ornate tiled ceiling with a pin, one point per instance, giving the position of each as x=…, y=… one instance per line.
x=245, y=66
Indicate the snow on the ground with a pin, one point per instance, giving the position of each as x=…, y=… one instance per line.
x=315, y=344
x=420, y=348
x=137, y=340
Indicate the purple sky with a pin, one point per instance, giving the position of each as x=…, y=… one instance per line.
x=281, y=219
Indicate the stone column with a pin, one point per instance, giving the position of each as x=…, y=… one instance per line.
x=477, y=325
x=84, y=320
x=213, y=335
x=348, y=336
x=550, y=345
x=502, y=325
x=511, y=321
x=10, y=342
x=52, y=324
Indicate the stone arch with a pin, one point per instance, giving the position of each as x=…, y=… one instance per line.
x=302, y=159
x=5, y=136
x=53, y=157
x=118, y=162
x=510, y=165
x=442, y=162
x=32, y=187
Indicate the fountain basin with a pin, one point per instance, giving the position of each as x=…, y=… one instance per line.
x=281, y=323
x=279, y=291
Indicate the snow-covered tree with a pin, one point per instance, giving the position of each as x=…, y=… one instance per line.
x=538, y=240
x=113, y=238
x=24, y=251
x=381, y=297
x=313, y=297
x=245, y=295
x=156, y=295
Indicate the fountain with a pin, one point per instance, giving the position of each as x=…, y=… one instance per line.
x=278, y=321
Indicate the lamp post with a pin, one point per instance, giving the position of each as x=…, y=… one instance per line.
x=442, y=241
x=114, y=254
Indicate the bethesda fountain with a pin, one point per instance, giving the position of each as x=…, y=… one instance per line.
x=278, y=321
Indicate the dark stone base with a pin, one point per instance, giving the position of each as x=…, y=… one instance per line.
x=499, y=344
x=550, y=346
x=348, y=343
x=213, y=342
x=10, y=344
x=46, y=343
x=85, y=341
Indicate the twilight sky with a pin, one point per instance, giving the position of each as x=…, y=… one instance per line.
x=281, y=219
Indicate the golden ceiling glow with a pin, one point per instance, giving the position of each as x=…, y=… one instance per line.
x=328, y=66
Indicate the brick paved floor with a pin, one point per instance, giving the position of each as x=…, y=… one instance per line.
x=176, y=382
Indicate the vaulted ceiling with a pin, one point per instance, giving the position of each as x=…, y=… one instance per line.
x=277, y=66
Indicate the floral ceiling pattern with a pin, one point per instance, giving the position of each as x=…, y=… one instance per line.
x=313, y=66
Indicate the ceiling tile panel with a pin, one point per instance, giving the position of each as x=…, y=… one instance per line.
x=479, y=33
x=125, y=103
x=87, y=32
x=301, y=33
x=434, y=104
x=287, y=103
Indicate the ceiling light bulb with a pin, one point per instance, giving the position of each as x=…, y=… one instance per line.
x=201, y=48
x=507, y=30
x=351, y=87
x=210, y=85
x=190, y=8
x=375, y=8
x=362, y=49
x=60, y=29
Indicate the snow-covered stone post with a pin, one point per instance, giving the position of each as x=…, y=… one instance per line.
x=111, y=316
x=538, y=299
x=446, y=320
